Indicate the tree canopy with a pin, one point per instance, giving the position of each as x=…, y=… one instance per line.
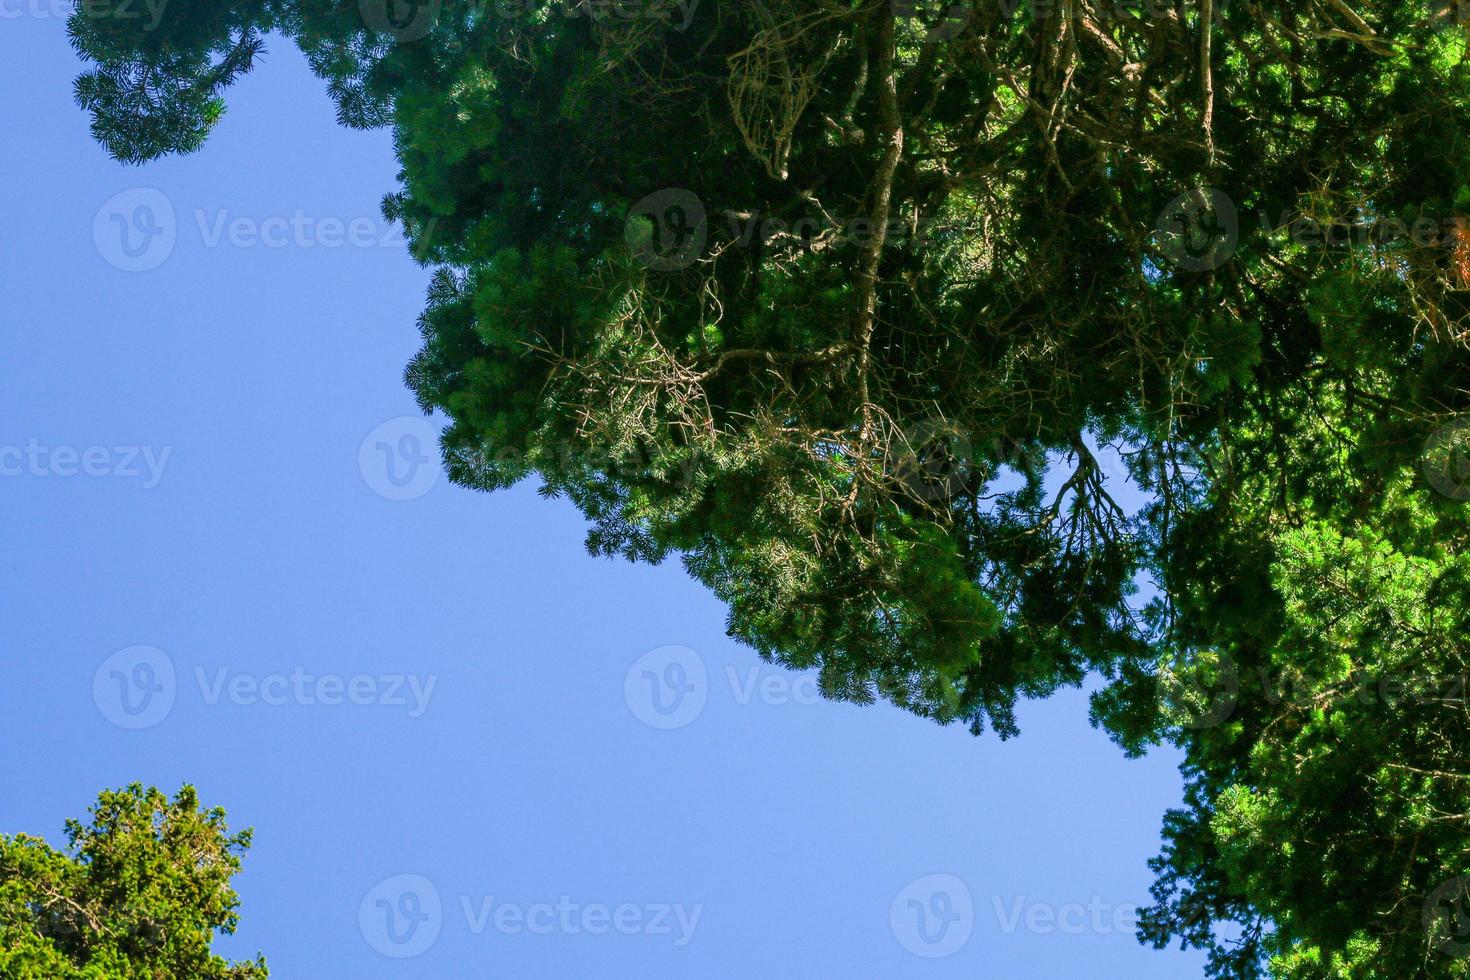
x=848, y=304
x=139, y=894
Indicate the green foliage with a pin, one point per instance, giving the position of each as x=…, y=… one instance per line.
x=1328, y=811
x=139, y=894
x=849, y=309
x=157, y=85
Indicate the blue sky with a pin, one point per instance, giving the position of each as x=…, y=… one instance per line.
x=461, y=740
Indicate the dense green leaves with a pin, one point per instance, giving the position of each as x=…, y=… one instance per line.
x=861, y=309
x=139, y=894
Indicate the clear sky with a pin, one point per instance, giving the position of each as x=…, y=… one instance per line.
x=467, y=748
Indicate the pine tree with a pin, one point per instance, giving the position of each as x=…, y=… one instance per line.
x=139, y=894
x=848, y=304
